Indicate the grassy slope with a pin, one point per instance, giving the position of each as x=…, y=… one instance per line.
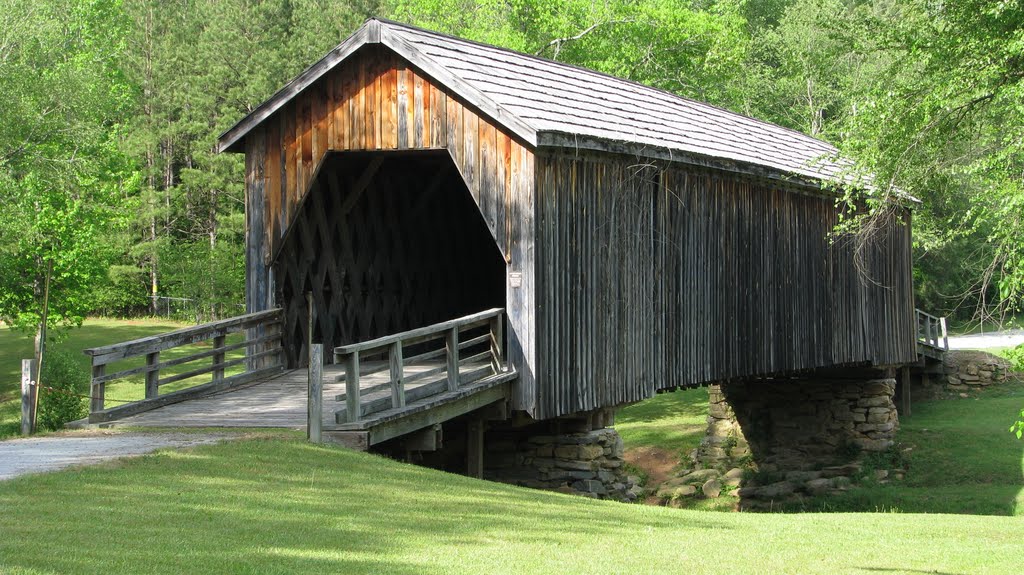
x=281, y=506
x=15, y=346
x=963, y=459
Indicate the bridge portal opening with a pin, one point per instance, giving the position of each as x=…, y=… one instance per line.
x=384, y=242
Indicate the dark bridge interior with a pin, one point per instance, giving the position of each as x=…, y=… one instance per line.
x=385, y=242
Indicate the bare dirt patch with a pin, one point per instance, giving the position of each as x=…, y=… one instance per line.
x=657, y=463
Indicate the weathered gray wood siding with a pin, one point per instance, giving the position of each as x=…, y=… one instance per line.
x=657, y=276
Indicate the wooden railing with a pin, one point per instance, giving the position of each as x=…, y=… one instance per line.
x=429, y=344
x=931, y=330
x=261, y=343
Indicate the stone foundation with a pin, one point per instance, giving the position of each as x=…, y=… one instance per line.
x=587, y=463
x=966, y=370
x=778, y=439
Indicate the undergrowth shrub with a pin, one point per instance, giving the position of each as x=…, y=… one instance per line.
x=1016, y=357
x=63, y=382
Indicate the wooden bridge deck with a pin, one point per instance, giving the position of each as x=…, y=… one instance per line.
x=277, y=401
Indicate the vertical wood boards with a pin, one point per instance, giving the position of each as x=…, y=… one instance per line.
x=653, y=277
x=381, y=102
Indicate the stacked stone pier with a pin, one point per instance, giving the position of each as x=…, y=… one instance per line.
x=773, y=441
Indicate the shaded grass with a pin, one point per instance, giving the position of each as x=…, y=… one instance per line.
x=280, y=505
x=96, y=332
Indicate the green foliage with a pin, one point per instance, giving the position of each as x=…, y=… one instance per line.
x=1016, y=357
x=940, y=120
x=690, y=50
x=64, y=380
x=60, y=167
x=1018, y=427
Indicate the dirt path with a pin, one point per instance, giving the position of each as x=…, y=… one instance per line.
x=40, y=454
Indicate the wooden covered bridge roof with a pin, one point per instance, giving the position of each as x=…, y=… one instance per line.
x=547, y=103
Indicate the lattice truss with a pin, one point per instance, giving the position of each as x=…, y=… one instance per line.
x=384, y=242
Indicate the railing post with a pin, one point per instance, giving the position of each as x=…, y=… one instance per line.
x=397, y=375
x=29, y=389
x=152, y=376
x=218, y=358
x=352, y=387
x=451, y=343
x=497, y=344
x=945, y=334
x=96, y=389
x=314, y=401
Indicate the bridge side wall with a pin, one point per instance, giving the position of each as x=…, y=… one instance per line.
x=655, y=276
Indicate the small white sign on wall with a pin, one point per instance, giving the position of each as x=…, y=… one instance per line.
x=515, y=279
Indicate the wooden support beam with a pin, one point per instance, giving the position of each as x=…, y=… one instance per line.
x=315, y=399
x=498, y=343
x=352, y=387
x=475, y=448
x=452, y=347
x=426, y=439
x=357, y=440
x=218, y=358
x=153, y=375
x=432, y=187
x=96, y=388
x=447, y=406
x=361, y=184
x=397, y=375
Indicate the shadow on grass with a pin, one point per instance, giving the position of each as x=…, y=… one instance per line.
x=286, y=507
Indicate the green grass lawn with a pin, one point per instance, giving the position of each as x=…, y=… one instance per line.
x=280, y=505
x=962, y=458
x=671, y=421
x=95, y=332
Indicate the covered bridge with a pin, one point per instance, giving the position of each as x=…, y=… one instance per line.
x=485, y=238
x=638, y=241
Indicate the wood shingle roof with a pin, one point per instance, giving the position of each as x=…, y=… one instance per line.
x=548, y=103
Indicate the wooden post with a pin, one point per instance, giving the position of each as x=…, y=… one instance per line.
x=451, y=343
x=475, y=448
x=29, y=391
x=397, y=375
x=905, y=391
x=153, y=376
x=314, y=408
x=945, y=334
x=218, y=358
x=96, y=389
x=497, y=344
x=352, y=387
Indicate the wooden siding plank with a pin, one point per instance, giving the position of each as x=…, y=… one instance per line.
x=438, y=118
x=470, y=143
x=420, y=113
x=395, y=128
